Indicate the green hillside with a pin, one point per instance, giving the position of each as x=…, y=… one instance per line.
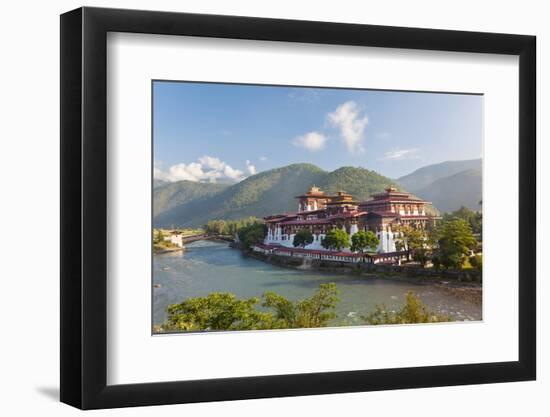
x=359, y=182
x=261, y=194
x=159, y=183
x=425, y=176
x=167, y=196
x=452, y=192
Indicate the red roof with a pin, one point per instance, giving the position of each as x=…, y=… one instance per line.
x=347, y=215
x=310, y=211
x=320, y=194
x=383, y=213
x=279, y=217
x=311, y=221
x=411, y=200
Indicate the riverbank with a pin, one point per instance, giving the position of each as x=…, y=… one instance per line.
x=472, y=294
x=159, y=250
x=463, y=284
x=207, y=266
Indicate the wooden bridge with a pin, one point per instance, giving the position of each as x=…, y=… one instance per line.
x=193, y=238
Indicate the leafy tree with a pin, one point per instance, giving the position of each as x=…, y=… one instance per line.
x=217, y=311
x=252, y=234
x=474, y=218
x=216, y=227
x=414, y=311
x=477, y=262
x=223, y=311
x=316, y=311
x=436, y=261
x=416, y=241
x=336, y=239
x=455, y=241
x=400, y=237
x=158, y=237
x=229, y=227
x=364, y=240
x=303, y=238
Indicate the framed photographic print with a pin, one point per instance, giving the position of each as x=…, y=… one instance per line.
x=258, y=207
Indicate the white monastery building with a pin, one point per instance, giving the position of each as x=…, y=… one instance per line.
x=320, y=213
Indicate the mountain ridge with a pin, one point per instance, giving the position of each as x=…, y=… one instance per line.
x=192, y=204
x=450, y=193
x=426, y=175
x=265, y=193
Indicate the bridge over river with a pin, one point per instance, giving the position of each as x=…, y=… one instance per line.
x=185, y=240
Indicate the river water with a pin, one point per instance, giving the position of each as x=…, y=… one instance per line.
x=207, y=267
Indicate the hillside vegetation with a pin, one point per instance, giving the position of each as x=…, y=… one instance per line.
x=425, y=176
x=451, y=193
x=448, y=185
x=187, y=204
x=175, y=194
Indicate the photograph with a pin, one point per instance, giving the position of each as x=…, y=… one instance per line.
x=288, y=207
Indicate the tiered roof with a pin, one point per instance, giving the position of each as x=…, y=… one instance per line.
x=313, y=192
x=390, y=195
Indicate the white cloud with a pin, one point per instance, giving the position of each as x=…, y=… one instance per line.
x=212, y=162
x=348, y=119
x=250, y=168
x=312, y=141
x=233, y=174
x=263, y=158
x=206, y=169
x=398, y=154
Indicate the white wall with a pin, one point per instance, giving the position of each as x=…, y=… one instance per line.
x=29, y=174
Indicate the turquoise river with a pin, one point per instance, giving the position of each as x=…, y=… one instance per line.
x=207, y=267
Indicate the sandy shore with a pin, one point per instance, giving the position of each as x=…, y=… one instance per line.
x=159, y=251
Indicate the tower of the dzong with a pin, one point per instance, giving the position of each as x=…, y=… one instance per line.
x=314, y=199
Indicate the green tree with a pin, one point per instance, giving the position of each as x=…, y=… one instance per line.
x=474, y=218
x=477, y=262
x=316, y=311
x=216, y=227
x=217, y=311
x=223, y=311
x=416, y=241
x=455, y=241
x=336, y=239
x=158, y=236
x=362, y=241
x=229, y=227
x=252, y=234
x=414, y=311
x=302, y=238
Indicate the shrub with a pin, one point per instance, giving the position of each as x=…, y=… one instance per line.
x=223, y=311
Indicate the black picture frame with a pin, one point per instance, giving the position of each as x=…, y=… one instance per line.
x=84, y=207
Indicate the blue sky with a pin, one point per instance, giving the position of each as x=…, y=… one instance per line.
x=225, y=132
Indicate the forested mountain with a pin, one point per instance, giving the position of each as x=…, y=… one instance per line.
x=268, y=192
x=452, y=192
x=425, y=176
x=359, y=182
x=174, y=194
x=159, y=183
